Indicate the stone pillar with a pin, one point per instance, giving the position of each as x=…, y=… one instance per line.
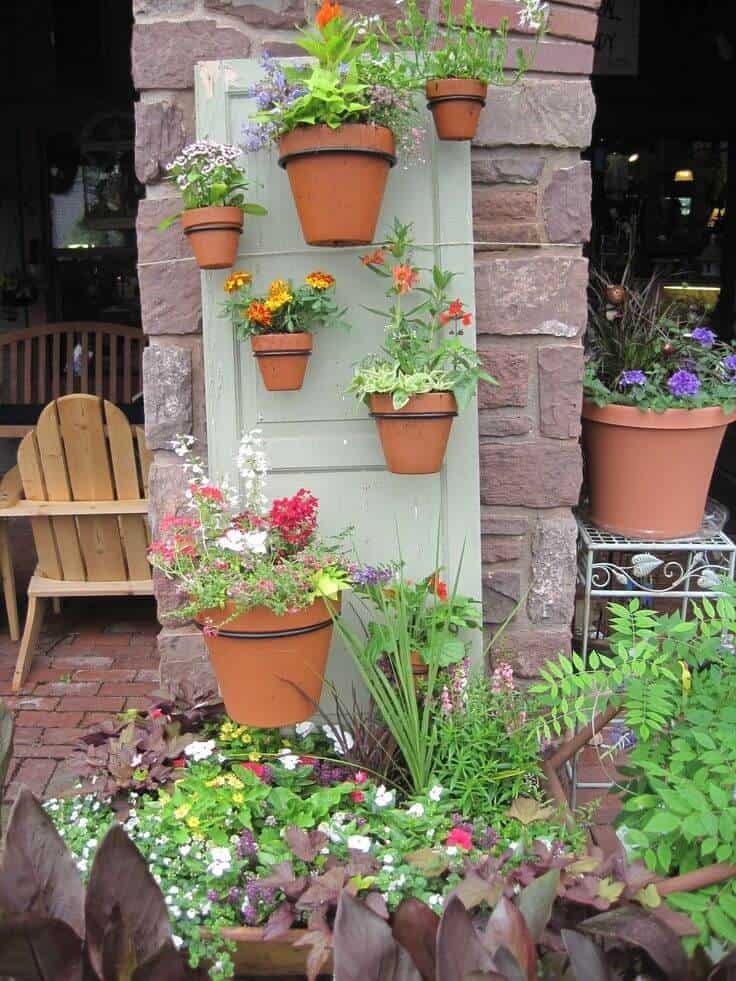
x=531, y=207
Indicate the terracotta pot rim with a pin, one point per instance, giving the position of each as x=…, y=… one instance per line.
x=630, y=416
x=438, y=90
x=282, y=343
x=310, y=141
x=261, y=622
x=216, y=216
x=427, y=405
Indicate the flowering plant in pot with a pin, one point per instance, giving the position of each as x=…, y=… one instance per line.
x=456, y=62
x=660, y=390
x=279, y=323
x=420, y=380
x=213, y=189
x=261, y=584
x=336, y=121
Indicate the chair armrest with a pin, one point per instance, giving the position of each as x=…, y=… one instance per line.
x=11, y=488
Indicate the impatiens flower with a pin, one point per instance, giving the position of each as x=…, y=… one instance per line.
x=683, y=384
x=319, y=280
x=179, y=763
x=327, y=12
x=405, y=278
x=461, y=838
x=704, y=336
x=435, y=793
x=416, y=810
x=435, y=901
x=288, y=760
x=359, y=843
x=384, y=798
x=360, y=777
x=633, y=377
x=258, y=769
x=199, y=751
x=304, y=729
x=357, y=796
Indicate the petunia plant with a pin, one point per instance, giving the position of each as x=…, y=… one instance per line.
x=417, y=356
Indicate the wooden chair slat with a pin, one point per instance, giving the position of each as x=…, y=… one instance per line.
x=42, y=346
x=145, y=456
x=133, y=528
x=29, y=465
x=99, y=363
x=84, y=363
x=69, y=354
x=127, y=370
x=113, y=377
x=13, y=399
x=56, y=366
x=27, y=370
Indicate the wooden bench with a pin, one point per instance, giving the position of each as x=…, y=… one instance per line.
x=82, y=480
x=39, y=364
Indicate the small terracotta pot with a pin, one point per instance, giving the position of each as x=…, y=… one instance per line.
x=270, y=668
x=338, y=178
x=419, y=667
x=282, y=359
x=456, y=104
x=213, y=235
x=616, y=294
x=414, y=438
x=649, y=472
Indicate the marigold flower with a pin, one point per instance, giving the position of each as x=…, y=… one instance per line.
x=327, y=12
x=377, y=258
x=278, y=286
x=277, y=300
x=319, y=280
x=259, y=313
x=405, y=278
x=236, y=281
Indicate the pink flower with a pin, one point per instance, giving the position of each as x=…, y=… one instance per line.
x=180, y=763
x=360, y=777
x=258, y=769
x=461, y=838
x=357, y=796
x=307, y=760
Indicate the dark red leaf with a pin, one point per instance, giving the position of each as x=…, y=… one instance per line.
x=725, y=969
x=586, y=958
x=324, y=890
x=376, y=902
x=169, y=964
x=680, y=924
x=305, y=845
x=37, y=871
x=537, y=900
x=320, y=945
x=459, y=950
x=279, y=922
x=38, y=948
x=633, y=925
x=507, y=928
x=365, y=949
x=415, y=928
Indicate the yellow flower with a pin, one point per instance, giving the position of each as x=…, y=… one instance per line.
x=277, y=300
x=254, y=757
x=192, y=822
x=286, y=743
x=687, y=678
x=215, y=782
x=278, y=286
x=181, y=812
x=198, y=836
x=319, y=280
x=232, y=781
x=238, y=798
x=246, y=738
x=236, y=281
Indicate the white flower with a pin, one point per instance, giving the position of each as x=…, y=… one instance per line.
x=304, y=729
x=430, y=833
x=435, y=900
x=184, y=850
x=233, y=540
x=177, y=940
x=384, y=798
x=201, y=750
x=217, y=870
x=359, y=843
x=388, y=859
x=416, y=810
x=221, y=855
x=451, y=850
x=340, y=738
x=435, y=793
x=513, y=846
x=288, y=760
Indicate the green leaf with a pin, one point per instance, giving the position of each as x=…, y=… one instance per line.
x=662, y=823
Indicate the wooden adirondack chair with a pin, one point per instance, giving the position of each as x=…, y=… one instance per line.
x=82, y=479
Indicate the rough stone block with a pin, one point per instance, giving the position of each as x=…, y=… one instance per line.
x=497, y=236
x=539, y=112
x=501, y=593
x=566, y=204
x=492, y=422
x=269, y=13
x=554, y=55
x=510, y=368
x=184, y=658
x=552, y=591
x=538, y=294
x=171, y=299
x=159, y=246
x=560, y=390
x=496, y=548
x=166, y=486
x=165, y=52
x=493, y=523
x=161, y=130
x=527, y=650
x=532, y=475
x=154, y=8
x=493, y=203
x=167, y=393
x=564, y=21
x=487, y=169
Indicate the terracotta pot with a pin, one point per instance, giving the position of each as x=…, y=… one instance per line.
x=414, y=438
x=270, y=668
x=456, y=104
x=419, y=667
x=338, y=177
x=648, y=472
x=616, y=294
x=282, y=359
x=213, y=235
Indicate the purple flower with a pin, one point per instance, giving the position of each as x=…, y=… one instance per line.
x=372, y=575
x=213, y=896
x=487, y=838
x=634, y=377
x=729, y=363
x=246, y=846
x=704, y=336
x=683, y=384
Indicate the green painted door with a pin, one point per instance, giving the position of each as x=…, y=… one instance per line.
x=320, y=438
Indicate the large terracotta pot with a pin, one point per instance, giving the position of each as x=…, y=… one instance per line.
x=456, y=104
x=338, y=177
x=648, y=472
x=270, y=668
x=414, y=438
x=282, y=359
x=213, y=235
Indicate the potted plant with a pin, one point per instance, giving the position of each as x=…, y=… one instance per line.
x=455, y=63
x=337, y=122
x=260, y=583
x=660, y=391
x=420, y=380
x=213, y=189
x=278, y=323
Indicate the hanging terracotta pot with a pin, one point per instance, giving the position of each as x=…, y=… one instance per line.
x=648, y=472
x=270, y=668
x=414, y=438
x=213, y=235
x=456, y=104
x=338, y=177
x=282, y=359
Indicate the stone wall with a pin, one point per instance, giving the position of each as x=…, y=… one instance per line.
x=532, y=214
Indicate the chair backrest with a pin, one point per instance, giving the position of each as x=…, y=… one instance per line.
x=39, y=363
x=84, y=449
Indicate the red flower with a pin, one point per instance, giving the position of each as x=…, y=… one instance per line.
x=376, y=258
x=467, y=320
x=208, y=493
x=440, y=590
x=179, y=763
x=258, y=769
x=460, y=838
x=307, y=760
x=327, y=12
x=155, y=713
x=444, y=318
x=455, y=309
x=361, y=777
x=295, y=518
x=405, y=278
x=357, y=796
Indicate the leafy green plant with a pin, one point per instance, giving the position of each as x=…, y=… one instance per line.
x=415, y=358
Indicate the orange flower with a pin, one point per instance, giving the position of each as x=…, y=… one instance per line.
x=455, y=309
x=320, y=280
x=259, y=313
x=376, y=258
x=327, y=12
x=237, y=279
x=405, y=278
